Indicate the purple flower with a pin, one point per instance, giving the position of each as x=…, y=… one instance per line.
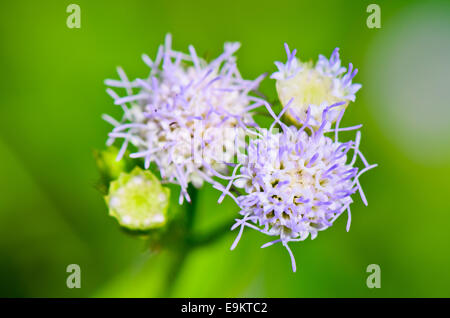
x=296, y=181
x=182, y=113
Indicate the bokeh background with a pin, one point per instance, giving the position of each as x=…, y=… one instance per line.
x=52, y=97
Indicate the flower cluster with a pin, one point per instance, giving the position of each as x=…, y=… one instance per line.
x=297, y=180
x=317, y=86
x=184, y=113
x=290, y=181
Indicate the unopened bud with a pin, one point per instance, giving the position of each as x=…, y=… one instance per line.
x=138, y=200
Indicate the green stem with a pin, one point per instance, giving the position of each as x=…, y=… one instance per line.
x=191, y=208
x=181, y=253
x=191, y=242
x=174, y=272
x=200, y=240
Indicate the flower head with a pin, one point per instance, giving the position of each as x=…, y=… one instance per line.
x=315, y=86
x=296, y=181
x=184, y=113
x=138, y=200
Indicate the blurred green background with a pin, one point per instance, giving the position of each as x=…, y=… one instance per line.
x=52, y=97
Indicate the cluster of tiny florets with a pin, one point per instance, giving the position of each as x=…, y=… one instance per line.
x=183, y=113
x=290, y=180
x=297, y=181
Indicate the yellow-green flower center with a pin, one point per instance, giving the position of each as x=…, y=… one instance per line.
x=138, y=200
x=307, y=88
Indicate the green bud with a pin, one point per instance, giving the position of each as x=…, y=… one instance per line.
x=138, y=201
x=109, y=167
